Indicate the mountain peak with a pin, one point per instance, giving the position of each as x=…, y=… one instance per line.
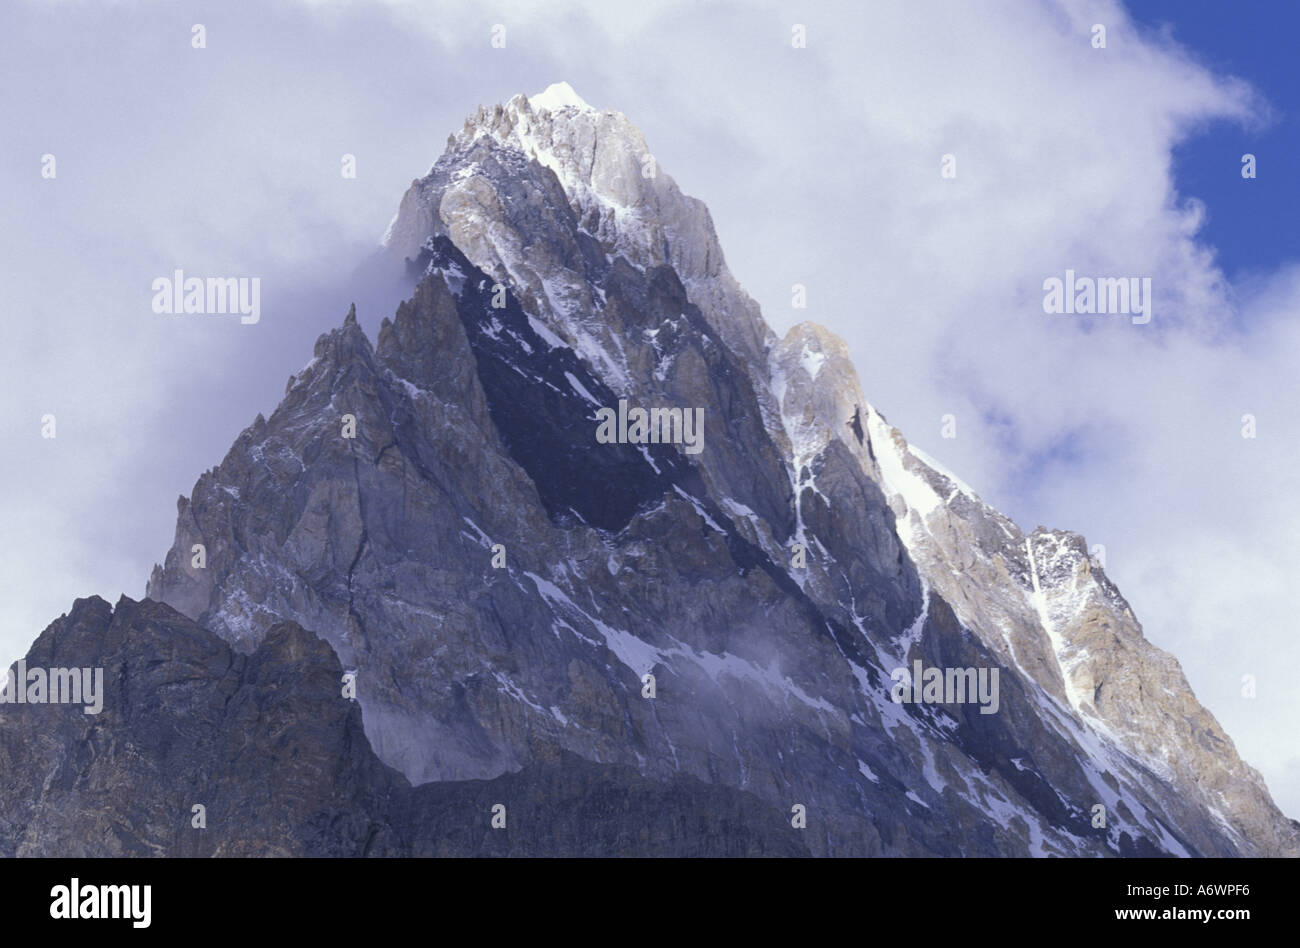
x=557, y=96
x=538, y=191
x=772, y=569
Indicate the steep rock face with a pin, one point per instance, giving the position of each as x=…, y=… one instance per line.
x=566, y=205
x=1137, y=695
x=1046, y=609
x=770, y=583
x=259, y=740
x=268, y=745
x=492, y=195
x=466, y=671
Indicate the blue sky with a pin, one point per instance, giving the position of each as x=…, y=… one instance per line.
x=1252, y=224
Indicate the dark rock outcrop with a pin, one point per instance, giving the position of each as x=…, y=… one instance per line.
x=268, y=745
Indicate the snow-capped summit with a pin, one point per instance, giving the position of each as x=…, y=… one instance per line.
x=558, y=95
x=509, y=178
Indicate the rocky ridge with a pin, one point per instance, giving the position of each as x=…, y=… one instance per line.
x=769, y=584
